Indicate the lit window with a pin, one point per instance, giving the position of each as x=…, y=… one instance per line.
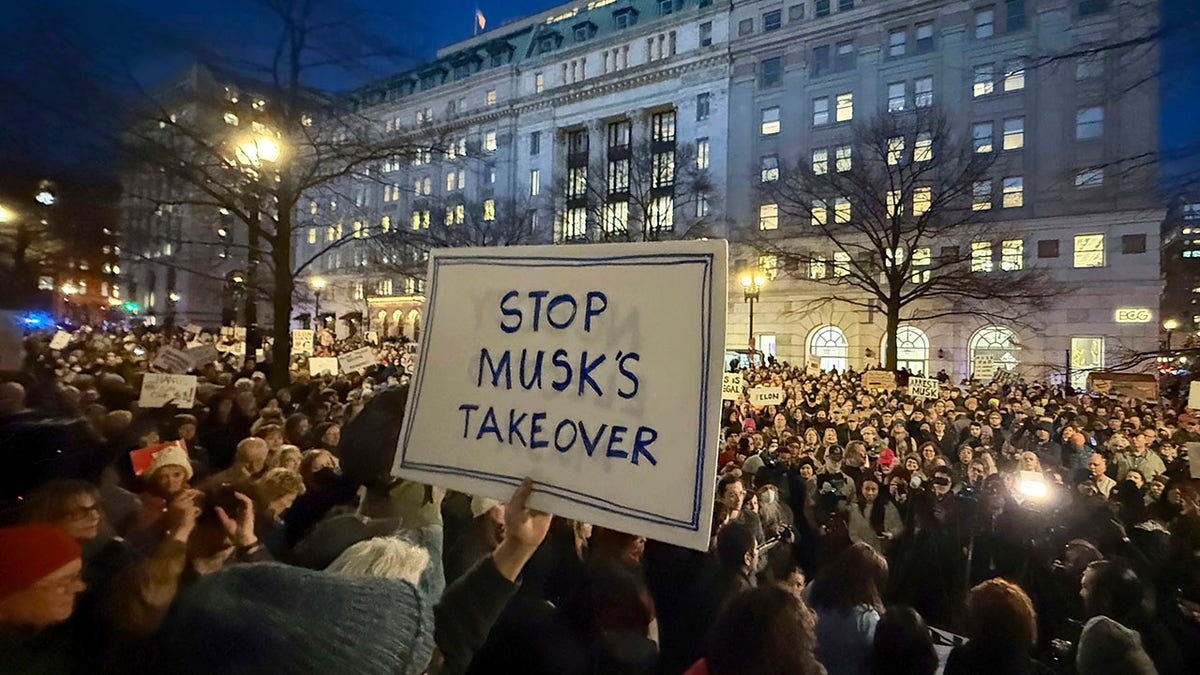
x=615, y=218
x=330, y=233
x=893, y=257
x=843, y=157
x=923, y=92
x=359, y=291
x=312, y=235
x=539, y=82
x=462, y=178
x=489, y=209
x=1089, y=123
x=820, y=161
x=896, y=96
x=769, y=265
x=768, y=217
x=820, y=213
x=981, y=256
x=985, y=76
x=985, y=23
x=1089, y=250
x=1014, y=192
x=701, y=205
x=1093, y=178
x=385, y=223
x=841, y=263
x=816, y=268
x=1012, y=255
x=490, y=97
x=896, y=43
x=820, y=111
x=895, y=205
x=770, y=121
x=981, y=195
x=1014, y=76
x=449, y=181
x=702, y=153
x=922, y=258
x=460, y=214
x=231, y=119
x=770, y=169
x=1014, y=133
x=895, y=151
x=358, y=229
x=923, y=148
x=981, y=137
x=845, y=107
x=841, y=210
x=922, y=199
x=535, y=182
x=489, y=141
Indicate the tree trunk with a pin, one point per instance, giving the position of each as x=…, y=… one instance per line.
x=281, y=298
x=893, y=326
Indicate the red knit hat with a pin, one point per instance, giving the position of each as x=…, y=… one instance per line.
x=30, y=552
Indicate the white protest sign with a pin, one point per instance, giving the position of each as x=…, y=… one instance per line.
x=925, y=387
x=302, y=341
x=226, y=331
x=172, y=360
x=1194, y=395
x=985, y=367
x=731, y=386
x=593, y=370
x=239, y=333
x=318, y=365
x=238, y=349
x=12, y=345
x=760, y=396
x=202, y=354
x=407, y=361
x=160, y=389
x=359, y=359
x=61, y=339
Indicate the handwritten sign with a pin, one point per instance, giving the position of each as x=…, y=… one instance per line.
x=985, y=367
x=879, y=379
x=319, y=365
x=760, y=396
x=924, y=387
x=61, y=339
x=731, y=386
x=302, y=341
x=172, y=360
x=591, y=369
x=1142, y=386
x=359, y=359
x=1194, y=395
x=160, y=389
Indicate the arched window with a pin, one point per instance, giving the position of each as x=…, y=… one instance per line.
x=827, y=346
x=912, y=349
x=397, y=327
x=414, y=326
x=993, y=347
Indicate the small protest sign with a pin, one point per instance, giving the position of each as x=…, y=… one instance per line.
x=143, y=458
x=172, y=360
x=60, y=340
x=202, y=354
x=985, y=367
x=239, y=333
x=407, y=361
x=924, y=387
x=238, y=348
x=319, y=365
x=1194, y=395
x=761, y=396
x=226, y=331
x=1142, y=386
x=593, y=369
x=359, y=359
x=879, y=379
x=12, y=348
x=302, y=341
x=160, y=389
x=731, y=386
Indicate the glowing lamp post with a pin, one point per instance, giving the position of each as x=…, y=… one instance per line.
x=751, y=286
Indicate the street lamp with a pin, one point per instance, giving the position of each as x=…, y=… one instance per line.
x=318, y=284
x=7, y=215
x=251, y=154
x=751, y=286
x=1170, y=325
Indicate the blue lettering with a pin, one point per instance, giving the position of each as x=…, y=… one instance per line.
x=535, y=428
x=558, y=300
x=467, y=408
x=633, y=379
x=558, y=432
x=642, y=440
x=560, y=360
x=590, y=444
x=536, y=377
x=489, y=426
x=504, y=367
x=514, y=427
x=593, y=310
x=617, y=435
x=507, y=311
x=537, y=306
x=585, y=370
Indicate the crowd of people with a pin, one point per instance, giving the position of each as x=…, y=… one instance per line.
x=855, y=531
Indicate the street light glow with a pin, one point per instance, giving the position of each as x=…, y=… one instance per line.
x=746, y=280
x=256, y=150
x=7, y=215
x=1170, y=324
x=317, y=283
x=759, y=280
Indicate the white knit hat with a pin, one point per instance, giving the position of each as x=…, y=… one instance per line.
x=172, y=455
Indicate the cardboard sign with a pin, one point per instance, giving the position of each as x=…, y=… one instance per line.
x=12, y=341
x=879, y=379
x=160, y=389
x=761, y=396
x=985, y=367
x=1194, y=395
x=925, y=387
x=202, y=355
x=143, y=458
x=359, y=359
x=302, y=341
x=319, y=365
x=1142, y=386
x=591, y=369
x=61, y=339
x=1193, y=453
x=172, y=360
x=731, y=386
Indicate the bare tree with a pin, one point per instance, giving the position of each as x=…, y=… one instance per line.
x=902, y=207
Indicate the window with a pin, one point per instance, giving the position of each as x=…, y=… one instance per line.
x=772, y=20
x=841, y=263
x=845, y=107
x=385, y=223
x=490, y=97
x=769, y=265
x=897, y=42
x=895, y=151
x=768, y=217
x=662, y=214
x=817, y=268
x=1014, y=192
x=795, y=12
x=844, y=156
x=923, y=92
x=923, y=148
x=1047, y=248
x=426, y=186
x=1091, y=7
x=985, y=23
x=1087, y=355
x=922, y=259
x=576, y=181
x=703, y=106
x=1089, y=178
x=535, y=142
x=922, y=200
x=822, y=7
x=1089, y=67
x=820, y=212
x=539, y=82
x=1012, y=255
x=841, y=210
x=312, y=235
x=232, y=120
x=845, y=5
x=981, y=195
x=896, y=96
x=1089, y=123
x=489, y=209
x=359, y=291
x=619, y=134
x=701, y=205
x=925, y=37
x=981, y=256
x=665, y=7
x=706, y=34
x=981, y=136
x=820, y=111
x=770, y=121
x=1133, y=243
x=845, y=57
x=535, y=182
x=984, y=80
x=771, y=72
x=575, y=224
x=1014, y=76
x=489, y=141
x=820, y=61
x=702, y=153
x=895, y=204
x=1089, y=250
x=820, y=161
x=618, y=176
x=745, y=27
x=1014, y=133
x=663, y=126
x=770, y=168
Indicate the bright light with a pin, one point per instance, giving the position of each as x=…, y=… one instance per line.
x=7, y=215
x=318, y=283
x=759, y=280
x=1032, y=485
x=69, y=289
x=45, y=197
x=746, y=281
x=173, y=296
x=237, y=279
x=1170, y=324
x=257, y=150
x=114, y=301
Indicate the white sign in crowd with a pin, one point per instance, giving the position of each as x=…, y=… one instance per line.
x=359, y=359
x=925, y=387
x=321, y=365
x=571, y=365
x=161, y=389
x=302, y=341
x=761, y=396
x=731, y=386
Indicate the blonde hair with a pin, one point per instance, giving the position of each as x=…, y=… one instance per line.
x=277, y=484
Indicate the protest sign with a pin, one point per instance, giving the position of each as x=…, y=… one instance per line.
x=302, y=341
x=1142, y=386
x=202, y=355
x=594, y=370
x=925, y=387
x=1194, y=395
x=172, y=360
x=226, y=331
x=61, y=339
x=239, y=333
x=193, y=329
x=12, y=347
x=985, y=367
x=760, y=396
x=731, y=386
x=407, y=361
x=143, y=458
x=359, y=359
x=238, y=348
x=372, y=337
x=879, y=379
x=318, y=365
x=160, y=389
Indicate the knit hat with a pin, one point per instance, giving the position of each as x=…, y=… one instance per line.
x=172, y=455
x=28, y=553
x=1106, y=646
x=886, y=457
x=481, y=505
x=273, y=618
